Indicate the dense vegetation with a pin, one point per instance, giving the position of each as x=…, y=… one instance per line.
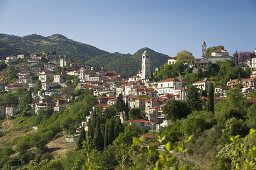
x=126, y=64
x=58, y=43
x=220, y=72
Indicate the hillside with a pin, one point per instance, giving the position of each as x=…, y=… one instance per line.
x=63, y=46
x=125, y=64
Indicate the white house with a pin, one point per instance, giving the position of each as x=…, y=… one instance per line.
x=11, y=59
x=134, y=78
x=167, y=86
x=42, y=105
x=11, y=111
x=220, y=91
x=58, y=78
x=48, y=85
x=202, y=85
x=253, y=63
x=172, y=60
x=138, y=103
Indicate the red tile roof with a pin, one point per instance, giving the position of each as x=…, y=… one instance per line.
x=139, y=120
x=252, y=100
x=111, y=72
x=101, y=105
x=168, y=80
x=199, y=82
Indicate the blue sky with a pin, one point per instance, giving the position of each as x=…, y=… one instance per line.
x=166, y=26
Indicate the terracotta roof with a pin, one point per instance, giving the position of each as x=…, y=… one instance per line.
x=172, y=58
x=215, y=98
x=168, y=80
x=157, y=99
x=220, y=51
x=252, y=100
x=140, y=99
x=111, y=72
x=114, y=77
x=231, y=81
x=140, y=120
x=87, y=86
x=101, y=105
x=135, y=77
x=252, y=78
x=104, y=97
x=130, y=83
x=199, y=82
x=182, y=88
x=56, y=99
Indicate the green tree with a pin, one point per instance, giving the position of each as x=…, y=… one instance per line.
x=98, y=141
x=82, y=138
x=234, y=106
x=109, y=113
x=193, y=125
x=233, y=127
x=26, y=99
x=174, y=109
x=2, y=66
x=120, y=104
x=214, y=48
x=185, y=57
x=9, y=99
x=210, y=101
x=193, y=98
x=134, y=113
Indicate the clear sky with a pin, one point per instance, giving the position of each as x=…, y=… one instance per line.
x=166, y=26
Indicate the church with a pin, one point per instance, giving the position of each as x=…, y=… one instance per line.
x=145, y=68
x=218, y=55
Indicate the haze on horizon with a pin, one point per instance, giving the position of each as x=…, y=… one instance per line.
x=126, y=26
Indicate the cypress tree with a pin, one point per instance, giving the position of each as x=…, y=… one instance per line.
x=120, y=104
x=210, y=101
x=118, y=128
x=91, y=125
x=98, y=140
x=193, y=98
x=111, y=131
x=106, y=135
x=126, y=111
x=82, y=137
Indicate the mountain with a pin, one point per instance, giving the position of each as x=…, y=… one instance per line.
x=126, y=64
x=60, y=44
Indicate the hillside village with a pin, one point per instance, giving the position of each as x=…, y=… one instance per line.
x=56, y=78
x=54, y=104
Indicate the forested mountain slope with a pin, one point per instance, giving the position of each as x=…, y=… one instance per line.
x=126, y=64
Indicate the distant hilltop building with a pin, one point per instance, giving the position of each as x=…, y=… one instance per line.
x=172, y=60
x=218, y=55
x=145, y=66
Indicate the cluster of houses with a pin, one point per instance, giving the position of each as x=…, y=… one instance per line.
x=137, y=91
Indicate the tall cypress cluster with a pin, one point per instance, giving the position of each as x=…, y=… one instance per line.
x=103, y=131
x=210, y=101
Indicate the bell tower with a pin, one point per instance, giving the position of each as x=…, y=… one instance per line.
x=204, y=49
x=145, y=66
